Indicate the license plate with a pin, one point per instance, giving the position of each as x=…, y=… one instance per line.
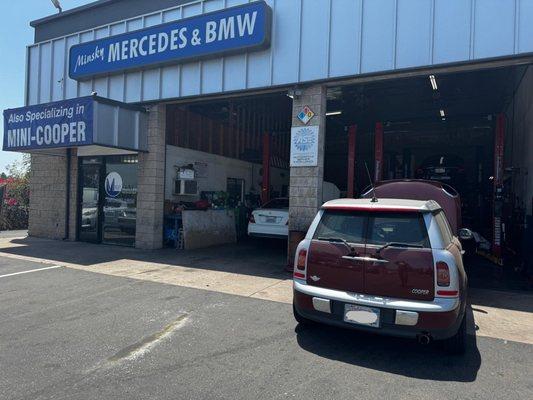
x=360, y=315
x=270, y=220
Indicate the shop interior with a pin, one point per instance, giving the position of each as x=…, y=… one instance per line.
x=440, y=127
x=216, y=159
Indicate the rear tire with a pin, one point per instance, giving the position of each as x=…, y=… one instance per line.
x=457, y=343
x=301, y=320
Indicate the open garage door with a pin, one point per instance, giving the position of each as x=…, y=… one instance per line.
x=456, y=128
x=228, y=157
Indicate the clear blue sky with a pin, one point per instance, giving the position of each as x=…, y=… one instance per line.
x=15, y=35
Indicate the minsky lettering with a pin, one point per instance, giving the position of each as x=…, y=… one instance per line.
x=246, y=27
x=88, y=58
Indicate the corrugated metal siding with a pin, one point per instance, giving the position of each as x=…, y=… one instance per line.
x=311, y=40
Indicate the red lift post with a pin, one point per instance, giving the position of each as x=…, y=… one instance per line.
x=352, y=130
x=378, y=153
x=265, y=189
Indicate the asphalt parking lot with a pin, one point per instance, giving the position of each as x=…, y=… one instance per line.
x=73, y=334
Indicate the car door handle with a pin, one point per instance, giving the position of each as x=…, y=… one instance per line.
x=368, y=259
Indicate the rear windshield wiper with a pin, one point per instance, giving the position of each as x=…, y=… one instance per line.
x=338, y=240
x=398, y=244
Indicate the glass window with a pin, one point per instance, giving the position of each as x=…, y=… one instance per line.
x=277, y=203
x=89, y=180
x=342, y=225
x=407, y=228
x=235, y=189
x=444, y=227
x=120, y=201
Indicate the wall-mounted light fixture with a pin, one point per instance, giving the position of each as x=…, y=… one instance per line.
x=433, y=82
x=294, y=93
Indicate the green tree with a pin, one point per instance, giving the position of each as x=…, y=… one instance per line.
x=14, y=204
x=19, y=169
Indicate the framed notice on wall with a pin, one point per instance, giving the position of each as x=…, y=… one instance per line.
x=304, y=146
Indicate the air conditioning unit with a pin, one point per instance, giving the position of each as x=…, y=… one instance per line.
x=185, y=187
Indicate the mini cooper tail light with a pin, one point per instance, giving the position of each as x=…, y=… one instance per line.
x=301, y=264
x=443, y=274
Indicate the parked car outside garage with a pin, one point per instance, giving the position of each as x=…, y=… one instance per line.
x=389, y=266
x=271, y=220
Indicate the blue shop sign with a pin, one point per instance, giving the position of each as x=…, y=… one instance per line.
x=233, y=30
x=65, y=123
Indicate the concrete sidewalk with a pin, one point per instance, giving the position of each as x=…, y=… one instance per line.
x=244, y=270
x=247, y=270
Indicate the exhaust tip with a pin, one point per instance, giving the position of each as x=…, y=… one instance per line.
x=423, y=339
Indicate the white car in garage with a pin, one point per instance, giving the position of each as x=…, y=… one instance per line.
x=271, y=220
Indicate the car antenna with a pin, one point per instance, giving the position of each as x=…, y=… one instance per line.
x=374, y=197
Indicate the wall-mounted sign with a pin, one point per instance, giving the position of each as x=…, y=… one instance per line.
x=306, y=115
x=186, y=174
x=60, y=124
x=233, y=30
x=113, y=184
x=78, y=122
x=304, y=146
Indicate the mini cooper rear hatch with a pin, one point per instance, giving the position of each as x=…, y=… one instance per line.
x=389, y=266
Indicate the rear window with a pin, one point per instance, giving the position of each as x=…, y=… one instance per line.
x=407, y=228
x=444, y=227
x=342, y=225
x=373, y=228
x=277, y=203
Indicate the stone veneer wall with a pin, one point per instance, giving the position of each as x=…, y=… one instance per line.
x=305, y=192
x=151, y=183
x=48, y=177
x=306, y=182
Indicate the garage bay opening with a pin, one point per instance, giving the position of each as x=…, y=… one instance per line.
x=464, y=129
x=225, y=159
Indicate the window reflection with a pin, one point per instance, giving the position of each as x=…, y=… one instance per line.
x=120, y=203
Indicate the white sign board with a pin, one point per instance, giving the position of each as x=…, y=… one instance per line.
x=304, y=146
x=186, y=174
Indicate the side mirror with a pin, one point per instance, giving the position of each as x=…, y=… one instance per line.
x=466, y=234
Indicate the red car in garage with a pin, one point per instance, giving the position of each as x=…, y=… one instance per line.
x=388, y=266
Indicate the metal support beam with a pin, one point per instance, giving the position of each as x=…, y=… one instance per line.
x=352, y=130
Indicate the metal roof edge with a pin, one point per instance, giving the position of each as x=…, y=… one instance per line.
x=85, y=7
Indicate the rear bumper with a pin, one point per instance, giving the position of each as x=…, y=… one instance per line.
x=274, y=231
x=440, y=318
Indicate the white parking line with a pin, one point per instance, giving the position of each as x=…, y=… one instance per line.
x=30, y=270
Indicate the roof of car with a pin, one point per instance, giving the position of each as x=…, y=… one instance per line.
x=382, y=205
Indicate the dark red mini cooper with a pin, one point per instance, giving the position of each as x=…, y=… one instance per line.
x=387, y=266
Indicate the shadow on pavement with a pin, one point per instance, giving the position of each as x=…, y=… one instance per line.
x=484, y=274
x=389, y=354
x=266, y=258
x=505, y=300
